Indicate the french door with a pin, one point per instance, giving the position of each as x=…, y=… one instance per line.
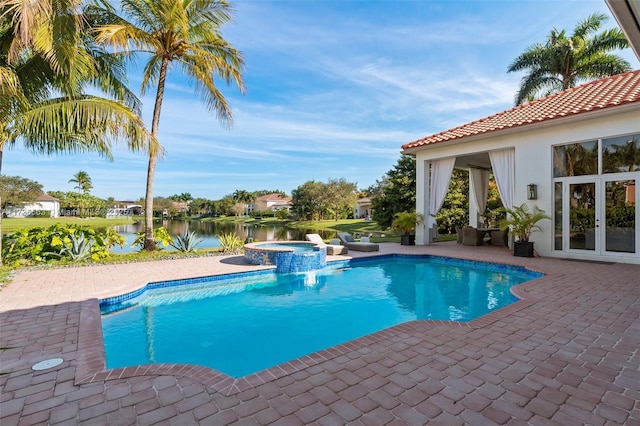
x=601, y=215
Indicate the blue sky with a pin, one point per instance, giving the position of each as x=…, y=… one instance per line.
x=334, y=88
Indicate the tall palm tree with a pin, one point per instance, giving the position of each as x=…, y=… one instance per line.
x=82, y=181
x=565, y=61
x=183, y=31
x=47, y=60
x=243, y=198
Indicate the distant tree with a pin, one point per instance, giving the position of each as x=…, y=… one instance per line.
x=395, y=193
x=223, y=206
x=17, y=191
x=307, y=200
x=185, y=197
x=85, y=205
x=565, y=61
x=340, y=196
x=201, y=206
x=239, y=209
x=162, y=205
x=262, y=192
x=242, y=198
x=82, y=181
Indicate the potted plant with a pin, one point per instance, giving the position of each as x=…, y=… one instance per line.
x=406, y=223
x=523, y=222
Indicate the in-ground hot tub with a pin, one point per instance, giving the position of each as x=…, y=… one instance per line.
x=288, y=256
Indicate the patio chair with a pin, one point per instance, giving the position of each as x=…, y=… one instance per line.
x=350, y=242
x=332, y=249
x=500, y=238
x=472, y=237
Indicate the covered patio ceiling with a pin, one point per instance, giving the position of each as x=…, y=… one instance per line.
x=479, y=160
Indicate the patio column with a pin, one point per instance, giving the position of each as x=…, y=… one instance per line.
x=422, y=200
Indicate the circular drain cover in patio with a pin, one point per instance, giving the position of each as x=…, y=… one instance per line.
x=49, y=363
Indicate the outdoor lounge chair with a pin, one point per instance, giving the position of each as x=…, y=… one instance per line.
x=347, y=240
x=332, y=249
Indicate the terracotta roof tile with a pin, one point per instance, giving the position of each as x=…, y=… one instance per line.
x=46, y=197
x=596, y=95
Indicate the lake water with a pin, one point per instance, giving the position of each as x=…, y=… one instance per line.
x=209, y=231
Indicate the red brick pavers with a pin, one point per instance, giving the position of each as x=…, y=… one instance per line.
x=567, y=354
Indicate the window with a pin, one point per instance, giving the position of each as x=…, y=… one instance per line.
x=621, y=154
x=577, y=159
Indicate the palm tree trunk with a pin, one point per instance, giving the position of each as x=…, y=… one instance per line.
x=149, y=241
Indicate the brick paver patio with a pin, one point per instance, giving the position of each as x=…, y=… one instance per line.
x=568, y=353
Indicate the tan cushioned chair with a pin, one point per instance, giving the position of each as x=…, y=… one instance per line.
x=472, y=237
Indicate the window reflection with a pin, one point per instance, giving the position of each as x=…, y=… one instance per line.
x=558, y=215
x=621, y=216
x=621, y=154
x=577, y=159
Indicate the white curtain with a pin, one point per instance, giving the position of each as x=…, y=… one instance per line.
x=439, y=184
x=503, y=165
x=479, y=188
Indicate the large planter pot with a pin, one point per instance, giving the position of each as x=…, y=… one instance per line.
x=407, y=240
x=523, y=249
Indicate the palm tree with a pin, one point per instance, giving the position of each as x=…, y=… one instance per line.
x=47, y=59
x=82, y=181
x=563, y=62
x=183, y=31
x=242, y=198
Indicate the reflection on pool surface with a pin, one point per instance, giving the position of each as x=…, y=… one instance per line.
x=241, y=326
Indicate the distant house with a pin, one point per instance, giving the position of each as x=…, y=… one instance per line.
x=270, y=202
x=44, y=205
x=124, y=208
x=362, y=209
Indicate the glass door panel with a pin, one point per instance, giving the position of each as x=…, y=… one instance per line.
x=583, y=223
x=620, y=214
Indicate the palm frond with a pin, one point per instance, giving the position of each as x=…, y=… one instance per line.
x=81, y=125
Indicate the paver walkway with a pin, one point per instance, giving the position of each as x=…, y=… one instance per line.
x=569, y=353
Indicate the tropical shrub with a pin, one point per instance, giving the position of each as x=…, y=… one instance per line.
x=79, y=248
x=231, y=243
x=40, y=245
x=160, y=235
x=186, y=242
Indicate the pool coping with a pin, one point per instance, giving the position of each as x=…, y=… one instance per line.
x=91, y=357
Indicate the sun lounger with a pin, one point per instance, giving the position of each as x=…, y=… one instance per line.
x=350, y=242
x=332, y=249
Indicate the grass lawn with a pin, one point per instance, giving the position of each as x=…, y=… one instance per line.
x=11, y=224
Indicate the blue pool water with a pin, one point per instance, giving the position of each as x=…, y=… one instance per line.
x=243, y=325
x=299, y=247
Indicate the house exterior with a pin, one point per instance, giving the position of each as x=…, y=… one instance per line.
x=578, y=150
x=270, y=202
x=45, y=204
x=362, y=209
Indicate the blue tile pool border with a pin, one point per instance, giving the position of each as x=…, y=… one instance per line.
x=111, y=304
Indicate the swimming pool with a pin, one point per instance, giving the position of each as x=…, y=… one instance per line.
x=243, y=324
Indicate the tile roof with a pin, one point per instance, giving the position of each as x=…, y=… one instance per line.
x=273, y=197
x=46, y=197
x=593, y=96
